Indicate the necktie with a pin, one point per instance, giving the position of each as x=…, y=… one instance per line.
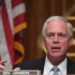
x=55, y=70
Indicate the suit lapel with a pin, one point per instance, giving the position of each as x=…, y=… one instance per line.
x=41, y=64
x=70, y=67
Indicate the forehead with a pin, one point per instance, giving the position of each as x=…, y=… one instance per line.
x=56, y=26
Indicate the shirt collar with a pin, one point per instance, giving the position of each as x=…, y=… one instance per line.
x=48, y=66
x=62, y=66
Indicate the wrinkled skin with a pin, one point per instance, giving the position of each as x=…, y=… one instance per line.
x=57, y=40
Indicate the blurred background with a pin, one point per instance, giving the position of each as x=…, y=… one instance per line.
x=36, y=12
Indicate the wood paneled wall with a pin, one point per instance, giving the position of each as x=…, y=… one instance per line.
x=37, y=12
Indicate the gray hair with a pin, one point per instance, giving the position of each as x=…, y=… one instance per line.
x=69, y=25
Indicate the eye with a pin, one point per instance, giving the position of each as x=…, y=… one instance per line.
x=62, y=34
x=50, y=34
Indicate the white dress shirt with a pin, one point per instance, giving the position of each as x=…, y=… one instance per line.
x=48, y=66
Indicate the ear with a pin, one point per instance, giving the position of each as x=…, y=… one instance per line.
x=71, y=41
x=41, y=43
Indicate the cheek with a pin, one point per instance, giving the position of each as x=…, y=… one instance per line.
x=65, y=44
x=48, y=44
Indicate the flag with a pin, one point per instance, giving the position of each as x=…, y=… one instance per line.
x=6, y=34
x=12, y=24
x=19, y=18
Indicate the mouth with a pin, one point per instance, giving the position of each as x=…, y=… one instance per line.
x=56, y=49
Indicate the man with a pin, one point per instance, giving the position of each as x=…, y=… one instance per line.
x=57, y=36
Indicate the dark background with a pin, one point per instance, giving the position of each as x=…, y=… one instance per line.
x=37, y=12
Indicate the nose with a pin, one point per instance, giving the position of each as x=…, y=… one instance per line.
x=56, y=39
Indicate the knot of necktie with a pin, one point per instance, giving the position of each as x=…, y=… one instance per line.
x=55, y=70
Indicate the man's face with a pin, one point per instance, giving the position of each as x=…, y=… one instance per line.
x=56, y=39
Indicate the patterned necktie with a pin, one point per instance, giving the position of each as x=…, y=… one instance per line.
x=55, y=70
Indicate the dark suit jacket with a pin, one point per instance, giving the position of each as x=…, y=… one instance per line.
x=39, y=65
